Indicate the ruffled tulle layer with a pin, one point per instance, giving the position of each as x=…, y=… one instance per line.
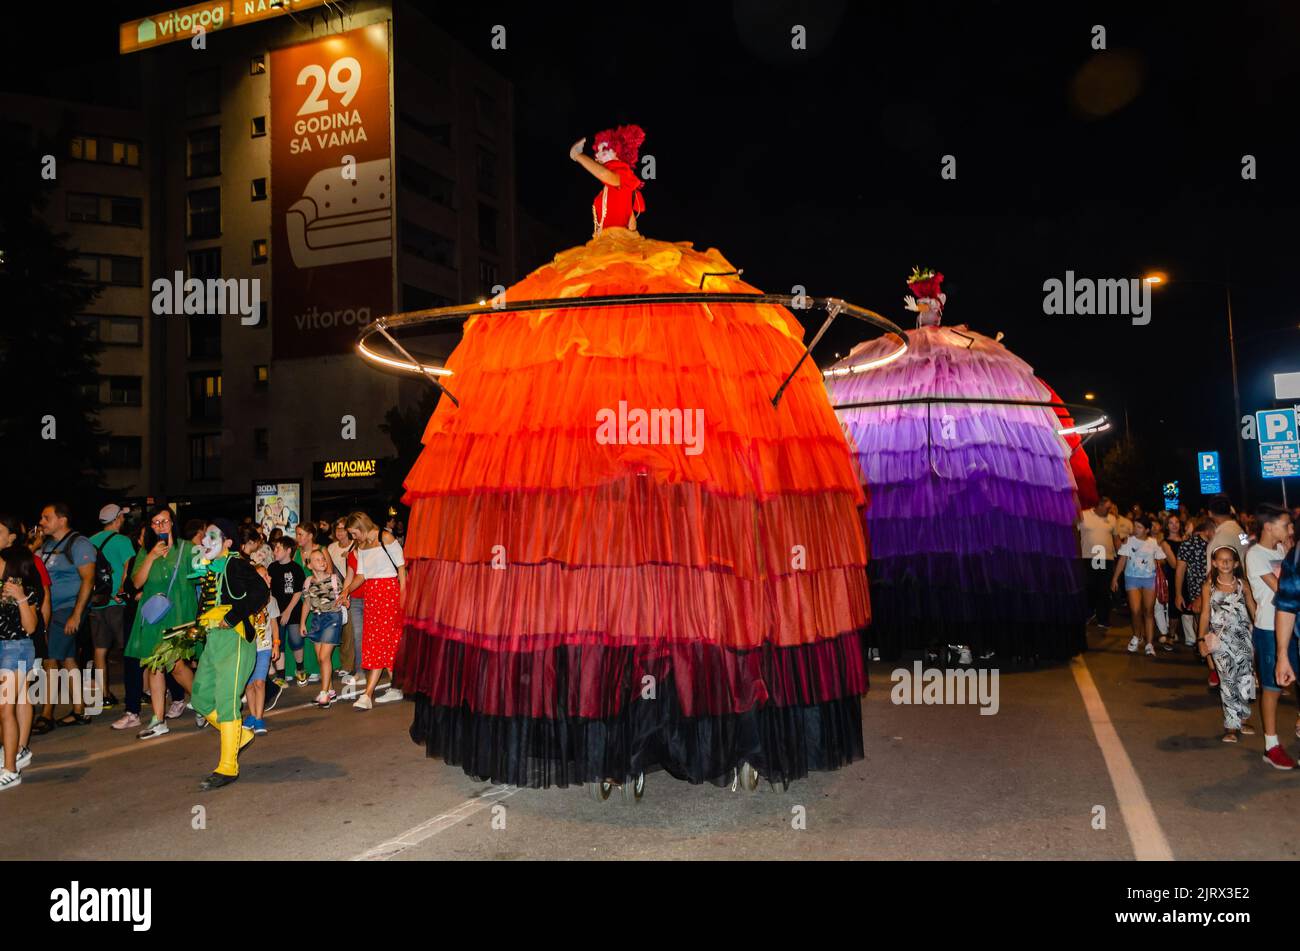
x=644, y=731
x=636, y=521
x=629, y=604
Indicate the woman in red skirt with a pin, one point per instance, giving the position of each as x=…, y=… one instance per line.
x=381, y=567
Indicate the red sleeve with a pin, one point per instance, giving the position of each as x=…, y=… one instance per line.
x=45, y=575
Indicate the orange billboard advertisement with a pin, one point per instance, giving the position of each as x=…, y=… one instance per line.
x=331, y=191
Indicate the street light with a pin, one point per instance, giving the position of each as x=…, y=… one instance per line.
x=1155, y=279
x=1089, y=396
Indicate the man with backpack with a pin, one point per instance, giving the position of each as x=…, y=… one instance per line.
x=70, y=560
x=107, y=603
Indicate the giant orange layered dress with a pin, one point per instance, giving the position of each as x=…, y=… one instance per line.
x=622, y=557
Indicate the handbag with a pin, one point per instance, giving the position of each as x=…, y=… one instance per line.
x=156, y=608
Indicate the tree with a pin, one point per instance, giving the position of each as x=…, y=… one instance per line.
x=48, y=359
x=405, y=427
x=1127, y=475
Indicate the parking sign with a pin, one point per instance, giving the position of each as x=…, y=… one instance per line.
x=1279, y=443
x=1207, y=464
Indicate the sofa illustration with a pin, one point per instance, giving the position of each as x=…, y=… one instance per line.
x=340, y=219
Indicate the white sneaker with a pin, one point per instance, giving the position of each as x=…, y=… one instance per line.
x=24, y=757
x=1133, y=645
x=363, y=702
x=389, y=695
x=127, y=721
x=313, y=678
x=154, y=730
x=200, y=720
x=9, y=780
x=1150, y=651
x=175, y=709
x=875, y=653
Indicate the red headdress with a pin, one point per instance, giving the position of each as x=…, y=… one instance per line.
x=925, y=284
x=625, y=140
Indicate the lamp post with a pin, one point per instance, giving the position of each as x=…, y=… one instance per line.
x=1157, y=279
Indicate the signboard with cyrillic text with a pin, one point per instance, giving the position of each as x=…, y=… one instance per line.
x=332, y=470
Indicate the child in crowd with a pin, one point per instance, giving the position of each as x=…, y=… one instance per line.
x=287, y=579
x=1137, y=563
x=1227, y=614
x=268, y=648
x=322, y=596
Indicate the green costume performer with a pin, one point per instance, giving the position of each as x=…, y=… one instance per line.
x=232, y=592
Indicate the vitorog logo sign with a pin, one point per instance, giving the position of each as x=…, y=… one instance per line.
x=176, y=25
x=331, y=192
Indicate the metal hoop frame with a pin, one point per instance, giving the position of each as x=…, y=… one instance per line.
x=432, y=372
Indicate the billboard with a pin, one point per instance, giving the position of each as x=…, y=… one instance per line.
x=331, y=192
x=277, y=504
x=184, y=23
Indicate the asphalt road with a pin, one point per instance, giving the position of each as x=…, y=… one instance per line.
x=938, y=782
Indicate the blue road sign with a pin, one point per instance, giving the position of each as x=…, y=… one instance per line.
x=1207, y=465
x=1279, y=443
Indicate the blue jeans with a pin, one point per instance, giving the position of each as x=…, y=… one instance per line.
x=1266, y=657
x=356, y=609
x=18, y=655
x=326, y=628
x=293, y=636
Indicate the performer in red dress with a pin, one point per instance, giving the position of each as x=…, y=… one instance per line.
x=620, y=201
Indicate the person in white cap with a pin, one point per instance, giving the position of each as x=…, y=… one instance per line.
x=107, y=627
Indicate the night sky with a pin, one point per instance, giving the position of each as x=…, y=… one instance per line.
x=821, y=167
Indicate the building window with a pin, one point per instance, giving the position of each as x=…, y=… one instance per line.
x=114, y=330
x=485, y=165
x=205, y=336
x=417, y=298
x=261, y=376
x=259, y=251
x=257, y=65
x=486, y=107
x=259, y=126
x=120, y=452
x=205, y=394
x=259, y=189
x=425, y=181
x=204, y=218
x=110, y=269
x=104, y=209
x=261, y=443
x=127, y=212
x=425, y=244
x=83, y=207
x=203, y=93
x=85, y=148
x=205, y=456
x=487, y=227
x=205, y=263
x=439, y=132
x=203, y=151
x=489, y=276
x=89, y=148
x=125, y=391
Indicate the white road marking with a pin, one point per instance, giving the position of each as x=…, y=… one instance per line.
x=1144, y=832
x=165, y=738
x=439, y=823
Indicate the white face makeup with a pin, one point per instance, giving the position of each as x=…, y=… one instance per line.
x=604, y=153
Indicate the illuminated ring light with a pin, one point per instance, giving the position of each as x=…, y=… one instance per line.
x=1098, y=425
x=407, y=363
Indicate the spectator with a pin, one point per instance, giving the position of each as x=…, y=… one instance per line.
x=1227, y=530
x=287, y=577
x=322, y=595
x=381, y=567
x=1165, y=608
x=132, y=673
x=1137, y=563
x=349, y=648
x=268, y=648
x=1263, y=564
x=1227, y=609
x=106, y=622
x=1123, y=529
x=162, y=572
x=1097, y=547
x=1189, y=577
x=21, y=596
x=70, y=562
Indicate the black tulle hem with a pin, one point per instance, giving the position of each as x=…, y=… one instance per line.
x=782, y=743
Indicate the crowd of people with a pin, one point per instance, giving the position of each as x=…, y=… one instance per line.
x=70, y=601
x=1227, y=582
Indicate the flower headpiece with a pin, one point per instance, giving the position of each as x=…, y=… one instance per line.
x=925, y=283
x=625, y=140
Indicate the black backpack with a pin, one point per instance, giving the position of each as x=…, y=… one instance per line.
x=101, y=593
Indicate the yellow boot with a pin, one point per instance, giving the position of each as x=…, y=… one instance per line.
x=227, y=770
